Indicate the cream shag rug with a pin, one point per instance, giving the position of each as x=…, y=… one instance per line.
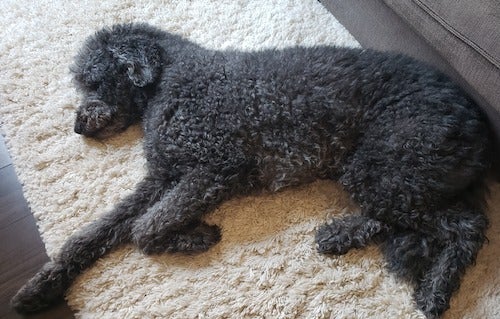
x=266, y=265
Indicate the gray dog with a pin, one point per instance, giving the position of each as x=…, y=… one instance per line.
x=411, y=149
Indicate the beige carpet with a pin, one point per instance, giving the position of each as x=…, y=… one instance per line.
x=266, y=265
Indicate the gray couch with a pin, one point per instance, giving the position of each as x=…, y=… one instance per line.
x=460, y=37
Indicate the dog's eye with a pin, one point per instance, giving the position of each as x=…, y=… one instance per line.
x=91, y=85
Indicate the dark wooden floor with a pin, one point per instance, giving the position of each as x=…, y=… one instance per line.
x=21, y=250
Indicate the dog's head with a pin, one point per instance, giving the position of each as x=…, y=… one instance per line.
x=115, y=71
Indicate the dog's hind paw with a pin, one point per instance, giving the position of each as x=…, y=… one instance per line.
x=432, y=305
x=330, y=238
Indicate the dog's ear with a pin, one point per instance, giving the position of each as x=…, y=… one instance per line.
x=142, y=61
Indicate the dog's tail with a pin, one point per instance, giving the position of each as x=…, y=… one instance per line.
x=81, y=250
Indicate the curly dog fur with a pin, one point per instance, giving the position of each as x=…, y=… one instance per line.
x=402, y=139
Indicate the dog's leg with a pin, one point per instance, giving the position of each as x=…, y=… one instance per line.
x=434, y=261
x=352, y=231
x=461, y=233
x=409, y=254
x=81, y=250
x=168, y=224
x=407, y=174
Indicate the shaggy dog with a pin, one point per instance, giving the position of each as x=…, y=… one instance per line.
x=406, y=143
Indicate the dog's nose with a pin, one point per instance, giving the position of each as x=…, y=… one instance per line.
x=78, y=128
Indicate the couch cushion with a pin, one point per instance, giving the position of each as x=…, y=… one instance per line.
x=466, y=34
x=476, y=23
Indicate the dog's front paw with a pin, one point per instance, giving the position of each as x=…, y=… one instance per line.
x=197, y=239
x=45, y=289
x=193, y=238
